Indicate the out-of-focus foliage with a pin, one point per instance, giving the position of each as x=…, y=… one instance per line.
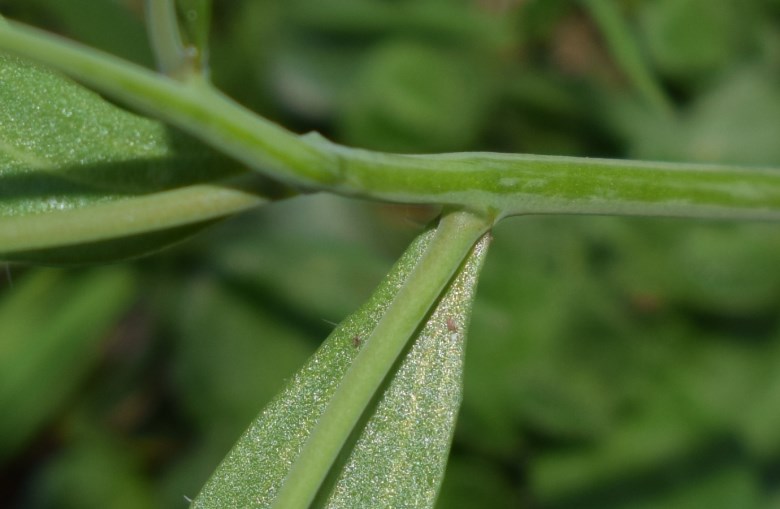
x=45, y=355
x=612, y=363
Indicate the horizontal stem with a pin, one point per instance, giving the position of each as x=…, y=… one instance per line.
x=515, y=184
x=499, y=184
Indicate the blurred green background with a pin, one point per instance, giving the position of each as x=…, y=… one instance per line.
x=612, y=363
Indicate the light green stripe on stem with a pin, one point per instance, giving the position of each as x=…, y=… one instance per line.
x=513, y=184
x=455, y=236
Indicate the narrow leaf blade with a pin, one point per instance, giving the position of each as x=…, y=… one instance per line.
x=400, y=457
x=254, y=469
x=414, y=418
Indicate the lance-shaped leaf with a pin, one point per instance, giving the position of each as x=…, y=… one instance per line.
x=401, y=453
x=76, y=169
x=400, y=444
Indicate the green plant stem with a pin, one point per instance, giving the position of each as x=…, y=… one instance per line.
x=162, y=25
x=627, y=53
x=194, y=106
x=456, y=234
x=501, y=184
x=531, y=184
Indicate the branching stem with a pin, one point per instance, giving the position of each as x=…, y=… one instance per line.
x=499, y=184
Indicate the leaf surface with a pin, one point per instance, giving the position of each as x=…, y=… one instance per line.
x=401, y=453
x=76, y=169
x=412, y=417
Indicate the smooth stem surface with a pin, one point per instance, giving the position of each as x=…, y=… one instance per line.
x=513, y=184
x=499, y=184
x=456, y=234
x=162, y=25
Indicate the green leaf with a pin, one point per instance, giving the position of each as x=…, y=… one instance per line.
x=401, y=453
x=260, y=459
x=405, y=435
x=51, y=325
x=76, y=169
